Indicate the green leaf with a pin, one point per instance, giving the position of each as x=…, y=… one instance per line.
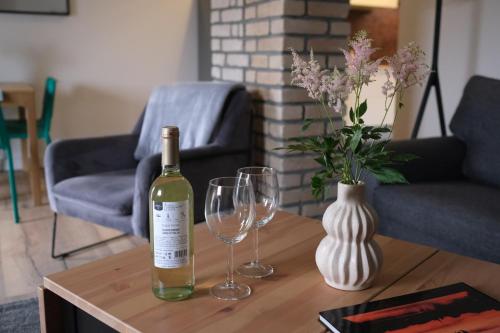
x=307, y=123
x=389, y=176
x=346, y=130
x=362, y=109
x=321, y=161
x=381, y=130
x=367, y=129
x=329, y=143
x=351, y=115
x=356, y=138
x=318, y=185
x=299, y=147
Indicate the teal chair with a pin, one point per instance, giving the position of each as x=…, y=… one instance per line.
x=17, y=128
x=5, y=145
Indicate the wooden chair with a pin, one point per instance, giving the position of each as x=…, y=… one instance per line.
x=5, y=145
x=18, y=129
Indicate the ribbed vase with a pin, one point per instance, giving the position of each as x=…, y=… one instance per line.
x=348, y=257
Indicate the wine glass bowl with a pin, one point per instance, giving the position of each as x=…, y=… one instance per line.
x=230, y=213
x=264, y=181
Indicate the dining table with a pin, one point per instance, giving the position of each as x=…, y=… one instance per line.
x=23, y=95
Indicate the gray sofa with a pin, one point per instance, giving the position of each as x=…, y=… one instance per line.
x=100, y=180
x=453, y=199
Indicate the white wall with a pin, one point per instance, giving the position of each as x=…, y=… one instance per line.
x=469, y=44
x=107, y=56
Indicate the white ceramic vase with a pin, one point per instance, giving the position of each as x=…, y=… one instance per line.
x=348, y=257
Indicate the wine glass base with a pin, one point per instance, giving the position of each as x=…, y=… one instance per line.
x=255, y=270
x=230, y=292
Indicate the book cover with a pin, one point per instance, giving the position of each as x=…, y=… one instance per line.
x=456, y=308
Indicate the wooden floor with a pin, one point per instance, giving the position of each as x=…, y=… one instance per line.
x=25, y=247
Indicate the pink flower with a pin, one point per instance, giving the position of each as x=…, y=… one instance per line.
x=337, y=87
x=359, y=67
x=332, y=87
x=308, y=75
x=407, y=69
x=388, y=88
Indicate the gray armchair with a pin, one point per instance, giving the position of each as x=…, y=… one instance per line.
x=99, y=180
x=453, y=199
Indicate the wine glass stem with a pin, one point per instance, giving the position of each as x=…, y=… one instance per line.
x=256, y=244
x=230, y=266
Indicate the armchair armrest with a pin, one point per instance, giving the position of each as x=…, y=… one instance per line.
x=76, y=157
x=198, y=165
x=201, y=165
x=208, y=151
x=439, y=159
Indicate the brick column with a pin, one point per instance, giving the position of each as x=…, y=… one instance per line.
x=250, y=42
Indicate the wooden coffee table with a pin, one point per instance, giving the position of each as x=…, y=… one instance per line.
x=115, y=292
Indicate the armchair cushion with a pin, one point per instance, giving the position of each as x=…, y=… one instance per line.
x=78, y=157
x=194, y=107
x=477, y=123
x=109, y=193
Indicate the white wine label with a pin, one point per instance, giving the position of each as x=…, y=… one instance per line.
x=171, y=234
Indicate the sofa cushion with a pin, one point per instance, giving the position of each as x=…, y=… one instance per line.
x=108, y=193
x=458, y=216
x=477, y=123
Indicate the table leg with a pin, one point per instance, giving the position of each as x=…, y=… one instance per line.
x=58, y=315
x=24, y=143
x=26, y=159
x=33, y=149
x=51, y=311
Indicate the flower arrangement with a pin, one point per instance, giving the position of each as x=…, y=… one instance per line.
x=353, y=148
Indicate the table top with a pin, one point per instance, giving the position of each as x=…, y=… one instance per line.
x=117, y=289
x=8, y=87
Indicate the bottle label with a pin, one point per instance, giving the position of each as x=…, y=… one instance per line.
x=171, y=234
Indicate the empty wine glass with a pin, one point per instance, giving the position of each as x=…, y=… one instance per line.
x=230, y=212
x=266, y=192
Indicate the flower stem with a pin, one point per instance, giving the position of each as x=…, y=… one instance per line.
x=325, y=110
x=398, y=109
x=387, y=107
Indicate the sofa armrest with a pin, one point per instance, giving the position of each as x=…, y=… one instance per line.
x=439, y=159
x=198, y=165
x=76, y=157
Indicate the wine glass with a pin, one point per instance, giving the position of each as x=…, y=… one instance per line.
x=266, y=192
x=230, y=212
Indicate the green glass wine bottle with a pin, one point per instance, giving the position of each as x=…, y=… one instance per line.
x=171, y=225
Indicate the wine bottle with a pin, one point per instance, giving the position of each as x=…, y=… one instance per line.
x=171, y=225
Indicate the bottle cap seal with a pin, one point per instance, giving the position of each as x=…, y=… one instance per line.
x=170, y=132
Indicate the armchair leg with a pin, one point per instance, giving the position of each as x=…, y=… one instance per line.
x=65, y=254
